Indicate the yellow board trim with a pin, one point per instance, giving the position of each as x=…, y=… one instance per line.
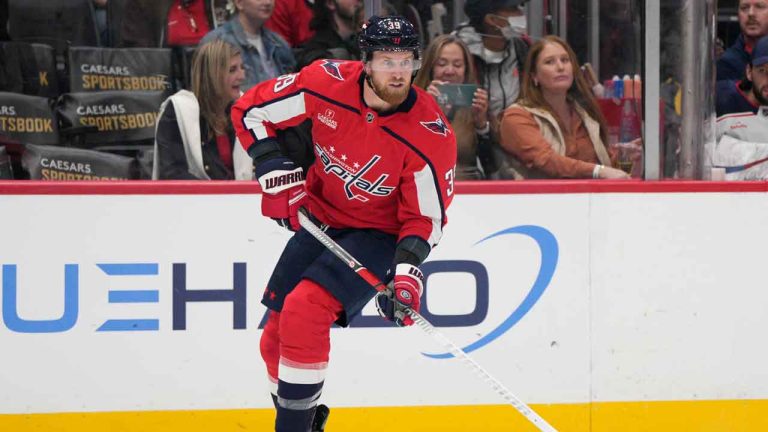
x=702, y=416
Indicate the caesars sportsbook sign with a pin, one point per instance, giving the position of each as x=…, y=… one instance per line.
x=64, y=163
x=126, y=69
x=28, y=119
x=119, y=117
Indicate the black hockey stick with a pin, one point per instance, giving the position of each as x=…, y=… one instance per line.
x=423, y=324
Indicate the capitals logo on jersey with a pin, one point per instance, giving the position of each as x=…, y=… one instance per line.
x=332, y=68
x=353, y=176
x=437, y=126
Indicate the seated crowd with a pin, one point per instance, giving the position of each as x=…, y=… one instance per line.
x=519, y=109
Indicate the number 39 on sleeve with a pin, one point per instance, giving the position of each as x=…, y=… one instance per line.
x=449, y=177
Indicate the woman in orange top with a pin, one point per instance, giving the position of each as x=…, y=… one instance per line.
x=556, y=129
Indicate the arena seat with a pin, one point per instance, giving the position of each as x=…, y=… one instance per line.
x=27, y=120
x=28, y=68
x=122, y=69
x=117, y=119
x=71, y=164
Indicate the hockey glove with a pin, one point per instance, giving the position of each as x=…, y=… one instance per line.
x=282, y=183
x=403, y=293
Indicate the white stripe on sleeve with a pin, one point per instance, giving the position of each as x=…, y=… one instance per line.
x=275, y=112
x=429, y=202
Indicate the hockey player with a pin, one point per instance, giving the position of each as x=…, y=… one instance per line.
x=380, y=185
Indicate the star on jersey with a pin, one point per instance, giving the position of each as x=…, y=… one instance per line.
x=437, y=127
x=332, y=68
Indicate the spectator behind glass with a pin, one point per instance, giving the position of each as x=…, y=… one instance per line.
x=753, y=20
x=742, y=136
x=748, y=94
x=143, y=22
x=194, y=139
x=265, y=54
x=556, y=129
x=335, y=24
x=291, y=20
x=447, y=61
x=496, y=38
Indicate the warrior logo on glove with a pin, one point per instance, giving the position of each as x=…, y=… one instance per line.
x=284, y=193
x=289, y=179
x=403, y=293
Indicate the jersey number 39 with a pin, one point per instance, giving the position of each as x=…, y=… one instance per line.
x=284, y=81
x=449, y=177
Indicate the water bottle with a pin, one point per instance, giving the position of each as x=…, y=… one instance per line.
x=637, y=87
x=628, y=128
x=6, y=171
x=628, y=87
x=608, y=89
x=618, y=87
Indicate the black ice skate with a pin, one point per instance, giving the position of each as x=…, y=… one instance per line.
x=321, y=418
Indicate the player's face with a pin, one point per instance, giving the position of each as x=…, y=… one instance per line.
x=753, y=17
x=759, y=77
x=256, y=10
x=450, y=66
x=234, y=77
x=554, y=70
x=390, y=74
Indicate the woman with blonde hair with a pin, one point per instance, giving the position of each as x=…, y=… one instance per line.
x=194, y=138
x=447, y=61
x=556, y=128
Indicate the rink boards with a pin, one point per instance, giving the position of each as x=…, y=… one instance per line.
x=606, y=307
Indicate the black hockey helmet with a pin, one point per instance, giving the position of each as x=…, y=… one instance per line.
x=388, y=33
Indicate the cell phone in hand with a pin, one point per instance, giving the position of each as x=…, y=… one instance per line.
x=456, y=95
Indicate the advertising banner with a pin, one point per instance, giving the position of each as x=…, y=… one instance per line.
x=118, y=117
x=28, y=119
x=94, y=69
x=63, y=163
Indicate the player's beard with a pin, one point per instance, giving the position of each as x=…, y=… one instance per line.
x=389, y=95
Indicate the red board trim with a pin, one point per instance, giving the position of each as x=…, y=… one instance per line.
x=24, y=187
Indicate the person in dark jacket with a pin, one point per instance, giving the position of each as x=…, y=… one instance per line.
x=335, y=24
x=194, y=139
x=143, y=22
x=750, y=93
x=753, y=20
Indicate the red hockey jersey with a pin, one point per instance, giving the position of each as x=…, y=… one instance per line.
x=391, y=171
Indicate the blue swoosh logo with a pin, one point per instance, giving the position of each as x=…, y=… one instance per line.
x=549, y=255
